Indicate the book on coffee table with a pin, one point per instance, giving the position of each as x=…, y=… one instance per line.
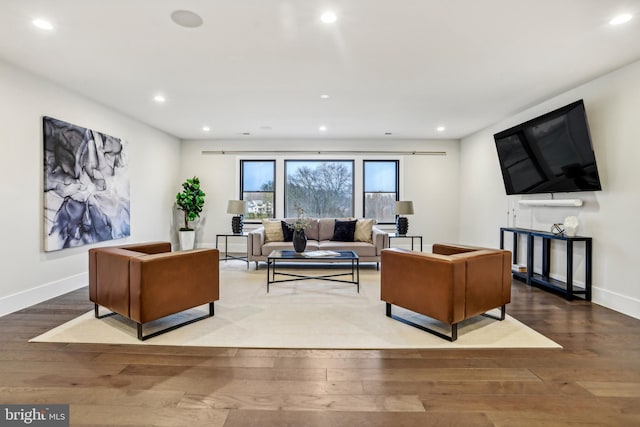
x=320, y=254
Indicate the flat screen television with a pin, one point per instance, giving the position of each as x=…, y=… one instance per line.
x=549, y=154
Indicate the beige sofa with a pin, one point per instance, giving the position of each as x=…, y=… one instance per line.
x=319, y=235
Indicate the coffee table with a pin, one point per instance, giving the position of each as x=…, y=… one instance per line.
x=276, y=258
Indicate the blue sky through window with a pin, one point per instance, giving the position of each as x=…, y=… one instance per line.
x=256, y=174
x=380, y=176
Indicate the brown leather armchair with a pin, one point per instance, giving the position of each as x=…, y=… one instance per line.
x=145, y=282
x=452, y=284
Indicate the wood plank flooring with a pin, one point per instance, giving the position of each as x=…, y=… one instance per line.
x=593, y=381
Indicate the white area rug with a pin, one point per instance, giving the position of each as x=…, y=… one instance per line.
x=300, y=314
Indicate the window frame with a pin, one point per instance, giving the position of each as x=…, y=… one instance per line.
x=352, y=162
x=364, y=183
x=273, y=192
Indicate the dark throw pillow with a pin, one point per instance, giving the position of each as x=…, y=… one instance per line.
x=343, y=231
x=286, y=232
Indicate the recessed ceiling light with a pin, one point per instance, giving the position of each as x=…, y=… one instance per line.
x=159, y=98
x=328, y=17
x=621, y=19
x=186, y=18
x=322, y=128
x=206, y=128
x=43, y=24
x=440, y=128
x=246, y=133
x=324, y=96
x=388, y=133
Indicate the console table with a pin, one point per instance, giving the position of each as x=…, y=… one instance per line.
x=567, y=289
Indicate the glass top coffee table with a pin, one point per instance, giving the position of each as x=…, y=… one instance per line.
x=277, y=258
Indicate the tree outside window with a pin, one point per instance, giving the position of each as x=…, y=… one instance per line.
x=380, y=189
x=323, y=189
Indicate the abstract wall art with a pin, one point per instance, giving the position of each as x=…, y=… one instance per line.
x=86, y=186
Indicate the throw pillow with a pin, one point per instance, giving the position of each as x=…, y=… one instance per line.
x=364, y=229
x=286, y=232
x=343, y=231
x=272, y=231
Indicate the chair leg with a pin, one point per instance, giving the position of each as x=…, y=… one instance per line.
x=96, y=312
x=503, y=313
x=142, y=337
x=454, y=327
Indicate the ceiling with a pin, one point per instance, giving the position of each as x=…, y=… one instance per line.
x=391, y=68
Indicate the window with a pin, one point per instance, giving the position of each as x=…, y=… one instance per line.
x=323, y=189
x=380, y=189
x=257, y=187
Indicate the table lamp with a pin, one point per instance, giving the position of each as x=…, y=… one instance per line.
x=402, y=223
x=237, y=208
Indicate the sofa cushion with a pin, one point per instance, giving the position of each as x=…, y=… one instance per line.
x=272, y=231
x=312, y=230
x=362, y=249
x=286, y=232
x=364, y=228
x=325, y=228
x=343, y=231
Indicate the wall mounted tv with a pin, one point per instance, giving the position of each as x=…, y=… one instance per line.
x=549, y=154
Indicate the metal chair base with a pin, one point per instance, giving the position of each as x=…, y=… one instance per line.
x=143, y=337
x=454, y=327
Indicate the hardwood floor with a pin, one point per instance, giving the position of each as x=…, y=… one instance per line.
x=594, y=380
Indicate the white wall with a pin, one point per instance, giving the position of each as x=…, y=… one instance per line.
x=29, y=275
x=432, y=182
x=610, y=216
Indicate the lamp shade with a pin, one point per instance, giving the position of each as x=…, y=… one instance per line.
x=404, y=208
x=236, y=207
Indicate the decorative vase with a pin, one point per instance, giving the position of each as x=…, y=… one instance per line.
x=299, y=240
x=571, y=226
x=187, y=239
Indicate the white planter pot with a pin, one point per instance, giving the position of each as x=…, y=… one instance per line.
x=187, y=239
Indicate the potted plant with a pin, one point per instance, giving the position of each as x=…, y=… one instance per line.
x=299, y=237
x=190, y=201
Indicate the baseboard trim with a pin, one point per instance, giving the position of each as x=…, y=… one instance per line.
x=29, y=297
x=615, y=301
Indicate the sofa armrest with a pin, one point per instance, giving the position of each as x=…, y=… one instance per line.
x=380, y=239
x=255, y=240
x=430, y=284
x=167, y=283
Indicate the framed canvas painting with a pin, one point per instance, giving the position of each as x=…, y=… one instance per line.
x=86, y=186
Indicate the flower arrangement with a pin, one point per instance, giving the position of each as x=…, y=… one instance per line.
x=301, y=222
